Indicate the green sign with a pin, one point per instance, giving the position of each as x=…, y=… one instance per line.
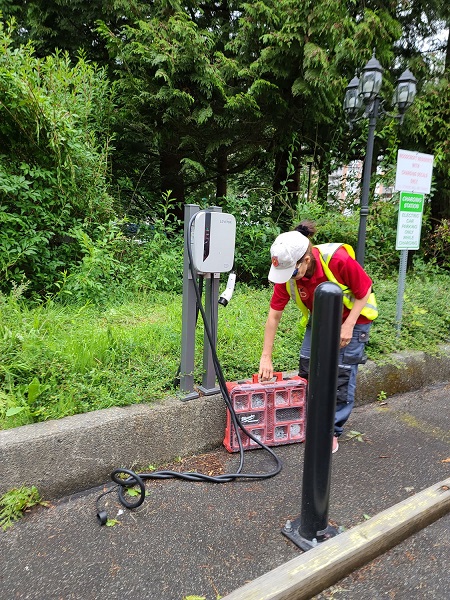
x=411, y=202
x=409, y=223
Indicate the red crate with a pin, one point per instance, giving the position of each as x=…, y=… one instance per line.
x=274, y=412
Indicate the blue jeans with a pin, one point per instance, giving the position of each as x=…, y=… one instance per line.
x=349, y=358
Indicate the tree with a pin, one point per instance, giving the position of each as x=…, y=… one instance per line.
x=426, y=44
x=209, y=91
x=300, y=57
x=68, y=25
x=429, y=132
x=185, y=102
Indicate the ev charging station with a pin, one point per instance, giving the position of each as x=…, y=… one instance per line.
x=209, y=240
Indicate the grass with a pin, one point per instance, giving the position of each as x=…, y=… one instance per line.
x=62, y=360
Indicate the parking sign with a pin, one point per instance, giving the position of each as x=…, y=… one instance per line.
x=409, y=222
x=414, y=171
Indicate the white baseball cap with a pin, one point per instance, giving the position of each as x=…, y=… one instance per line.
x=287, y=249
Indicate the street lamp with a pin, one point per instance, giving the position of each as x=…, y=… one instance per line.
x=361, y=93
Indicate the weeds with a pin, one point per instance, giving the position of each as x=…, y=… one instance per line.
x=15, y=502
x=355, y=435
x=382, y=397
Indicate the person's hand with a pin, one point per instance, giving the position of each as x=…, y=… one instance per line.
x=346, y=334
x=265, y=368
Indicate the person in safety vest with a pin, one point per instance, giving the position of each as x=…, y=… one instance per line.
x=297, y=269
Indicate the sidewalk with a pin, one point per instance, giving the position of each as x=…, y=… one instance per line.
x=207, y=540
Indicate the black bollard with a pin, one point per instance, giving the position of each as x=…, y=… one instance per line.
x=312, y=527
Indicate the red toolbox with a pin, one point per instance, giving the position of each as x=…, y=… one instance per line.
x=274, y=412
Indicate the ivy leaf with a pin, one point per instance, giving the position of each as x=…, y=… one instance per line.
x=15, y=410
x=355, y=435
x=133, y=492
x=112, y=522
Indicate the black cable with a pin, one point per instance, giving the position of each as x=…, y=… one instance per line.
x=134, y=479
x=223, y=386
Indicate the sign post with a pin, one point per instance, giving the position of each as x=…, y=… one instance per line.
x=413, y=181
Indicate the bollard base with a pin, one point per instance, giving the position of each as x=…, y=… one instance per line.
x=190, y=396
x=208, y=391
x=292, y=531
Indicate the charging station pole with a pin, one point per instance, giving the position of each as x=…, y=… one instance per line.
x=189, y=314
x=209, y=238
x=312, y=527
x=212, y=282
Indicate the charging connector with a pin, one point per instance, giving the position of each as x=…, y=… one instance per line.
x=225, y=296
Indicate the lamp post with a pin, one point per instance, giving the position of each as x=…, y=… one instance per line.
x=364, y=93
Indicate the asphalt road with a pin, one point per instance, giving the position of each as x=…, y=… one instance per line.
x=207, y=540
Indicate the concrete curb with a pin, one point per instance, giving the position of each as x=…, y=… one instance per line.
x=405, y=372
x=74, y=453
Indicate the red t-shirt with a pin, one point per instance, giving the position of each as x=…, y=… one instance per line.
x=346, y=270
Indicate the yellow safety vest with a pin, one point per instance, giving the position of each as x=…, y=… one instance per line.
x=326, y=252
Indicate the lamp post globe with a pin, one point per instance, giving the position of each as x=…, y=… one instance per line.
x=371, y=80
x=352, y=99
x=405, y=91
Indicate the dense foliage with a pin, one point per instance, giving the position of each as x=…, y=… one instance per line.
x=54, y=142
x=208, y=92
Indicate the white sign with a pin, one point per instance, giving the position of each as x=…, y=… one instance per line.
x=414, y=172
x=409, y=222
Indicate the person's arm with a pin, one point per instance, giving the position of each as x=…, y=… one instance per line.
x=350, y=321
x=265, y=364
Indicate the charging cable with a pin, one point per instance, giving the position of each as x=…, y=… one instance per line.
x=126, y=479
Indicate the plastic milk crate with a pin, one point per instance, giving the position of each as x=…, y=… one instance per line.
x=274, y=412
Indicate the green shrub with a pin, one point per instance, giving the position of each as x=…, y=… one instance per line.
x=114, y=267
x=381, y=233
x=53, y=163
x=92, y=280
x=332, y=225
x=436, y=244
x=157, y=264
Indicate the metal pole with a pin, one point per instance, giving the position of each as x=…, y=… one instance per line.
x=401, y=289
x=188, y=315
x=209, y=386
x=367, y=171
x=312, y=526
